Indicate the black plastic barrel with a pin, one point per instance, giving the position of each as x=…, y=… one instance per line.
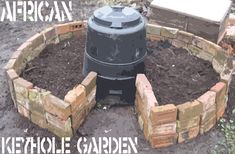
x=115, y=47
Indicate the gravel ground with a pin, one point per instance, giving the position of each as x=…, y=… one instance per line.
x=12, y=124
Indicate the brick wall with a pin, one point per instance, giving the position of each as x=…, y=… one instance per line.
x=61, y=117
x=165, y=125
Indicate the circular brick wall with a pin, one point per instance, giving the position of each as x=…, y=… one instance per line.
x=170, y=124
x=61, y=117
x=162, y=125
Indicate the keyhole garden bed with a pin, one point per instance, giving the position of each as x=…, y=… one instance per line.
x=182, y=94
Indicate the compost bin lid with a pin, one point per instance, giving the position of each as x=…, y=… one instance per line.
x=117, y=17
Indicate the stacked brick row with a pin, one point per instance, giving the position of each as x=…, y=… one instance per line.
x=61, y=117
x=166, y=125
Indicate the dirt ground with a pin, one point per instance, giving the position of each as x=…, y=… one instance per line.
x=121, y=121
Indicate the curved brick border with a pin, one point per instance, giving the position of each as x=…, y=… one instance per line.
x=61, y=117
x=162, y=125
x=169, y=124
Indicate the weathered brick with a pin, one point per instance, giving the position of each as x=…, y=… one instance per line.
x=186, y=124
x=57, y=122
x=147, y=129
x=194, y=50
x=205, y=56
x=76, y=97
x=169, y=32
x=21, y=87
x=188, y=134
x=89, y=82
x=153, y=29
x=91, y=100
x=149, y=100
x=163, y=114
x=220, y=89
x=189, y=110
x=16, y=54
x=49, y=35
x=141, y=122
x=208, y=125
x=155, y=38
x=39, y=119
x=163, y=141
x=221, y=57
x=207, y=100
x=35, y=102
x=23, y=111
x=185, y=36
x=11, y=75
x=78, y=118
x=208, y=114
x=217, y=66
x=10, y=64
x=65, y=36
x=164, y=129
x=220, y=111
x=59, y=132
x=36, y=40
x=206, y=45
x=178, y=43
x=57, y=107
x=142, y=84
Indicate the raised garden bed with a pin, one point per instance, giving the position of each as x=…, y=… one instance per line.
x=163, y=125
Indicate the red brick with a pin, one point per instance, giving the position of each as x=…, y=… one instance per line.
x=188, y=134
x=149, y=100
x=90, y=82
x=142, y=84
x=220, y=89
x=76, y=97
x=57, y=107
x=163, y=114
x=208, y=114
x=140, y=105
x=207, y=100
x=189, y=110
x=57, y=122
x=68, y=27
x=164, y=129
x=147, y=129
x=220, y=111
x=163, y=141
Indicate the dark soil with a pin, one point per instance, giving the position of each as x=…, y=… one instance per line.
x=175, y=75
x=58, y=68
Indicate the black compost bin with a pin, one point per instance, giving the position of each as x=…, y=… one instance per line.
x=115, y=49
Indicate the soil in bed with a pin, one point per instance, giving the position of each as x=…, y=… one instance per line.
x=175, y=75
x=58, y=68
